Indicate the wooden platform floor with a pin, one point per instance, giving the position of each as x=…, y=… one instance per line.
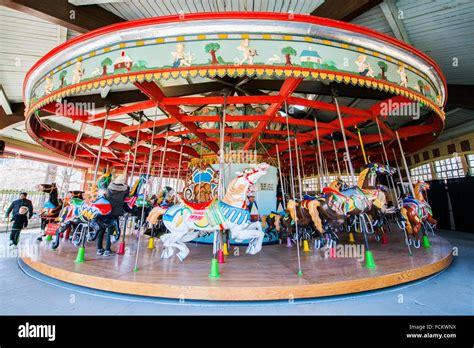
x=269, y=275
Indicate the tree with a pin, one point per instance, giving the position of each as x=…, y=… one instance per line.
x=141, y=63
x=288, y=51
x=107, y=61
x=421, y=86
x=383, y=68
x=330, y=63
x=62, y=76
x=212, y=48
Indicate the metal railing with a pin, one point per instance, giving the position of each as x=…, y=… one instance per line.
x=8, y=196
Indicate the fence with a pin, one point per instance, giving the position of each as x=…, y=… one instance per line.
x=8, y=196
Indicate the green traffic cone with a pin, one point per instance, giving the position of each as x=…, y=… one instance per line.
x=80, y=255
x=214, y=269
x=426, y=242
x=49, y=237
x=369, y=259
x=300, y=273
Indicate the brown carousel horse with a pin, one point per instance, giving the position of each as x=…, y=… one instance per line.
x=308, y=220
x=416, y=212
x=340, y=202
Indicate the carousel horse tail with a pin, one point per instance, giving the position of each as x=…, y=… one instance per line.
x=264, y=222
x=277, y=223
x=404, y=213
x=314, y=213
x=154, y=215
x=291, y=206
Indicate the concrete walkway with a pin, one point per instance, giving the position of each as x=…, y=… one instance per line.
x=26, y=292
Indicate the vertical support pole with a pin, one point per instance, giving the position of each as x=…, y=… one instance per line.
x=298, y=170
x=369, y=258
x=362, y=145
x=281, y=177
x=398, y=170
x=405, y=165
x=316, y=130
x=135, y=154
x=145, y=193
x=336, y=155
x=292, y=184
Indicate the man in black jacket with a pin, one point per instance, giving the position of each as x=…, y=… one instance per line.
x=17, y=204
x=116, y=193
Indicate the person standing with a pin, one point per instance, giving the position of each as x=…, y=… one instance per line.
x=116, y=193
x=20, y=221
x=18, y=203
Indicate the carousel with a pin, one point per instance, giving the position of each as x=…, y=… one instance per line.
x=265, y=155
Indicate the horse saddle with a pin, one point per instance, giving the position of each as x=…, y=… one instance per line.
x=198, y=209
x=329, y=190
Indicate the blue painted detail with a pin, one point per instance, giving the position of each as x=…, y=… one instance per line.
x=49, y=205
x=171, y=212
x=233, y=214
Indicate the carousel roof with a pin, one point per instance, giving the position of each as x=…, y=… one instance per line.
x=185, y=91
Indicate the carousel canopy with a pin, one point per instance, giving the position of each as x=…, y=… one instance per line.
x=270, y=75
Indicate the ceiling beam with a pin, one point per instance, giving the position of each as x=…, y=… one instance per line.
x=78, y=18
x=10, y=117
x=343, y=10
x=390, y=11
x=154, y=92
x=4, y=103
x=286, y=90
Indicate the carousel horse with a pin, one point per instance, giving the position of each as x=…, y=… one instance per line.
x=136, y=201
x=272, y=226
x=416, y=211
x=166, y=199
x=309, y=221
x=340, y=202
x=368, y=183
x=51, y=209
x=307, y=218
x=69, y=217
x=90, y=212
x=186, y=220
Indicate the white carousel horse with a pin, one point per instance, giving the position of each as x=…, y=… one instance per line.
x=186, y=220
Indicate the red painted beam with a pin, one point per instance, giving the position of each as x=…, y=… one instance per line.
x=260, y=99
x=318, y=105
x=123, y=110
x=148, y=124
x=154, y=92
x=286, y=90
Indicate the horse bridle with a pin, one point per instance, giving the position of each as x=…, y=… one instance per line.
x=246, y=176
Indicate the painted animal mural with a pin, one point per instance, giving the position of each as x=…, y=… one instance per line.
x=417, y=211
x=186, y=220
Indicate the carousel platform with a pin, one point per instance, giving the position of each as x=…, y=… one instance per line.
x=269, y=275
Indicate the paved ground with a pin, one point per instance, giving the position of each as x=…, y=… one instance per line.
x=448, y=293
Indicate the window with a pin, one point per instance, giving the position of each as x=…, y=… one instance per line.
x=310, y=184
x=470, y=163
x=449, y=168
x=421, y=173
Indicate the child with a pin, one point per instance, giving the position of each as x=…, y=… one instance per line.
x=20, y=221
